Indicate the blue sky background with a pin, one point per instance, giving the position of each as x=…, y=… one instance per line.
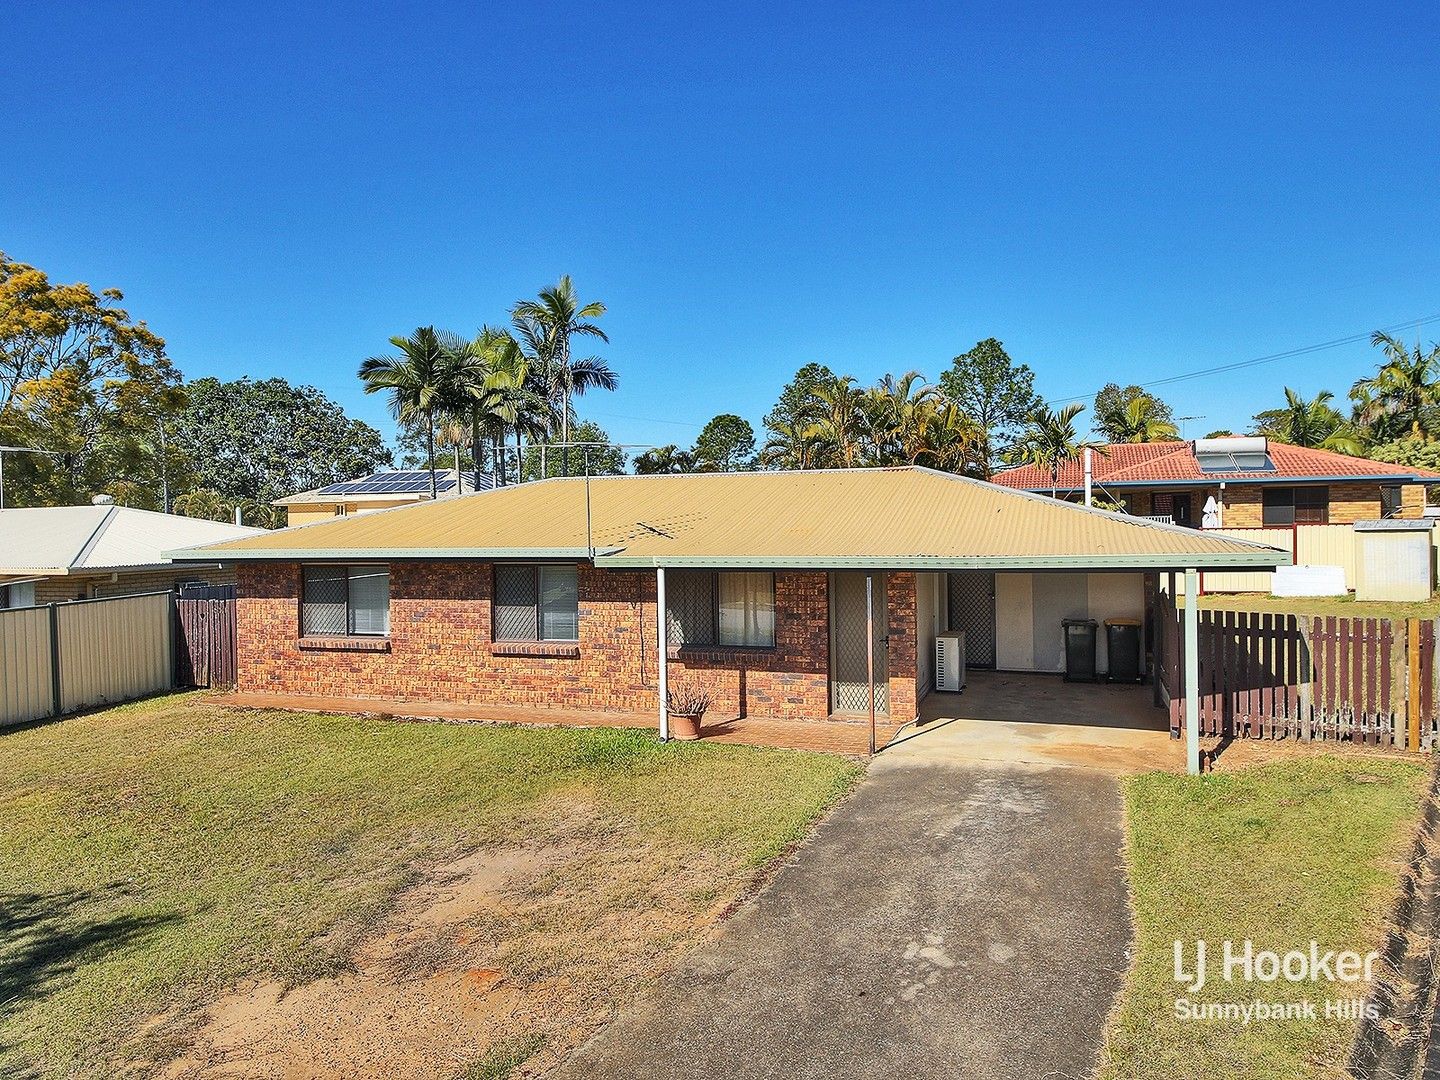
x=1114, y=192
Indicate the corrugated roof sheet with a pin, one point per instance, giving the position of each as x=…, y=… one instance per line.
x=857, y=517
x=1169, y=462
x=60, y=539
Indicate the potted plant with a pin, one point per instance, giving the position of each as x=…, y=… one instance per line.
x=686, y=706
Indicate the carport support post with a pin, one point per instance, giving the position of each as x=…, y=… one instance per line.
x=1192, y=672
x=662, y=635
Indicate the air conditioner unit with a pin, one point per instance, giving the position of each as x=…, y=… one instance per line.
x=950, y=662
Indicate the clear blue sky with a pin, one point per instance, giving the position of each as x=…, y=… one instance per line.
x=1112, y=193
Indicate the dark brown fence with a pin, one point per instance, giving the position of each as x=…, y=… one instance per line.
x=1269, y=676
x=205, y=642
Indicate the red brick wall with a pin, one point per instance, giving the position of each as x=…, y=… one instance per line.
x=789, y=681
x=440, y=647
x=901, y=661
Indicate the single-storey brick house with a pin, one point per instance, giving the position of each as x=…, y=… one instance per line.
x=547, y=593
x=1254, y=482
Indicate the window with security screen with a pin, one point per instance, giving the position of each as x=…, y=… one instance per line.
x=341, y=601
x=536, y=603
x=732, y=609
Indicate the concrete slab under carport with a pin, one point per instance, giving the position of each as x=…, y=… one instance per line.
x=1035, y=719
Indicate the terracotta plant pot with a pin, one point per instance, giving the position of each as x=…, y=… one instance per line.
x=685, y=727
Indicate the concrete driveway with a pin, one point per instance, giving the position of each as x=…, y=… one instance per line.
x=953, y=918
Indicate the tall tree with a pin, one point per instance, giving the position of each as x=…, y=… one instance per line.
x=725, y=444
x=80, y=378
x=1404, y=391
x=1311, y=423
x=1048, y=440
x=418, y=383
x=995, y=392
x=1131, y=414
x=252, y=442
x=546, y=324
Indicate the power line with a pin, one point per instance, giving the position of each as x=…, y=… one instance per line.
x=1238, y=365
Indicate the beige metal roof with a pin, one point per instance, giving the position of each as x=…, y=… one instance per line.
x=895, y=518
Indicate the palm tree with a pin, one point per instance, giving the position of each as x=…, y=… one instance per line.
x=514, y=401
x=1404, y=387
x=546, y=325
x=792, y=445
x=1048, y=441
x=842, y=423
x=418, y=382
x=1140, y=421
x=895, y=410
x=947, y=439
x=665, y=459
x=1314, y=423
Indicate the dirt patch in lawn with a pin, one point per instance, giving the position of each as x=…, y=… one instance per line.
x=503, y=957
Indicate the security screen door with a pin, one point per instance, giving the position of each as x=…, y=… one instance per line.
x=849, y=684
x=972, y=609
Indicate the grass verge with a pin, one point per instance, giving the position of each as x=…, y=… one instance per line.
x=1338, y=606
x=158, y=852
x=1282, y=854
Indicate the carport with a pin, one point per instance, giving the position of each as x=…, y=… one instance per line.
x=1006, y=571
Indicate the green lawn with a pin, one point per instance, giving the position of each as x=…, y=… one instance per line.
x=1309, y=848
x=1320, y=605
x=155, y=853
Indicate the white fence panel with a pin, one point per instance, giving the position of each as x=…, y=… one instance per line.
x=25, y=687
x=1329, y=545
x=114, y=650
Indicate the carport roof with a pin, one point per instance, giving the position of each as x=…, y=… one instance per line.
x=892, y=518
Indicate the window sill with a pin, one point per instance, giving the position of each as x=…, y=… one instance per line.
x=563, y=649
x=717, y=652
x=345, y=644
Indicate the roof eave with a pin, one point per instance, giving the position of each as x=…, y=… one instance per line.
x=1260, y=560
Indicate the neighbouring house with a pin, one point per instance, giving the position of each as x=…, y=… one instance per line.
x=380, y=491
x=1255, y=483
x=58, y=553
x=546, y=594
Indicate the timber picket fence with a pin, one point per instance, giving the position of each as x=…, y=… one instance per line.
x=1315, y=678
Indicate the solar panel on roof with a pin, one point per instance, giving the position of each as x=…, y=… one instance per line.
x=407, y=482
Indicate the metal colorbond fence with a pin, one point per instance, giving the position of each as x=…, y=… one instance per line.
x=1262, y=675
x=1311, y=545
x=65, y=657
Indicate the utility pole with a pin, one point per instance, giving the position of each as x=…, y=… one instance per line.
x=16, y=450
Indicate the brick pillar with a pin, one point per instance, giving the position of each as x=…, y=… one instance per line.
x=903, y=669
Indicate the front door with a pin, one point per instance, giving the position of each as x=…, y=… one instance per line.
x=849, y=677
x=972, y=611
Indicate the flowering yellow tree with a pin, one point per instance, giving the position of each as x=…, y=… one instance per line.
x=80, y=378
